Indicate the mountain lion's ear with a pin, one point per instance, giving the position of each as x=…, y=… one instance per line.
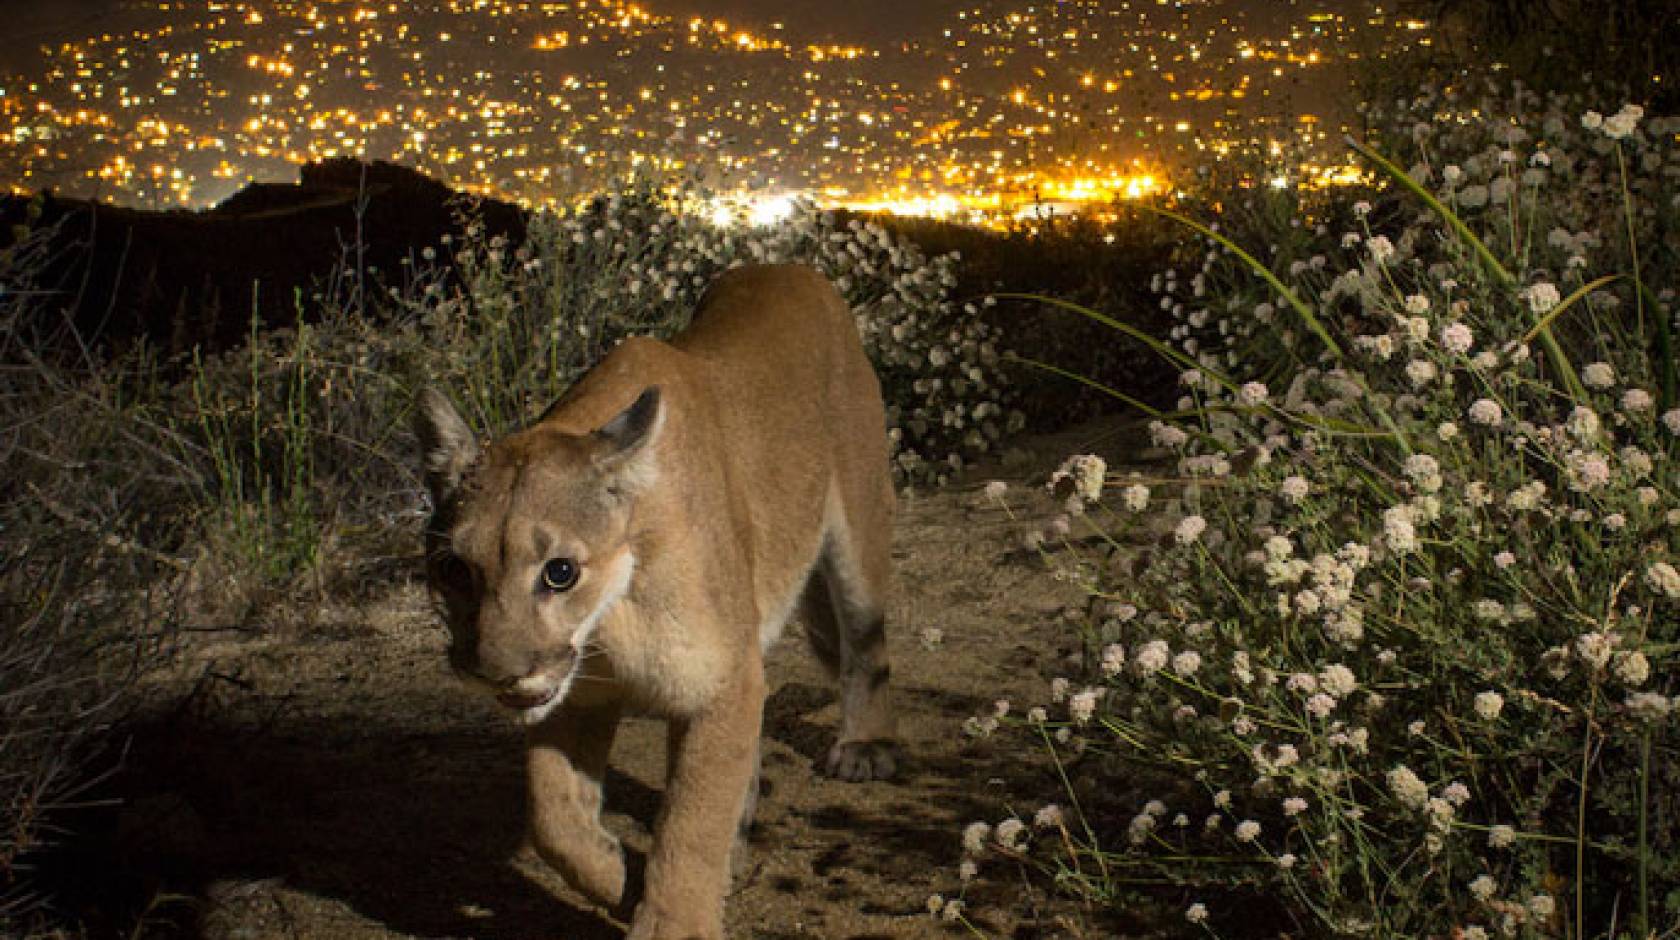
x=624, y=439
x=447, y=446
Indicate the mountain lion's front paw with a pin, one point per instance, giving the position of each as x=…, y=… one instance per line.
x=862, y=760
x=653, y=925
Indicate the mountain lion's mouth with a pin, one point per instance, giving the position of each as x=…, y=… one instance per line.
x=526, y=699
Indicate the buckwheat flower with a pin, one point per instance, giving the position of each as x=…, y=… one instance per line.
x=1151, y=657
x=1416, y=329
x=1420, y=371
x=1189, y=529
x=1648, y=706
x=1088, y=472
x=1456, y=338
x=1242, y=726
x=1592, y=120
x=974, y=837
x=1286, y=860
x=1037, y=715
x=1058, y=689
x=1113, y=659
x=1631, y=667
x=1486, y=411
x=1247, y=830
x=1252, y=394
x=1456, y=793
x=1190, y=378
x=1636, y=462
x=1338, y=679
x=995, y=489
x=1187, y=662
x=1008, y=833
x=1293, y=489
x=1541, y=297
x=1475, y=932
x=1504, y=560
x=1501, y=837
x=967, y=870
x=1622, y=123
x=1542, y=906
x=1196, y=913
x=1526, y=497
x=1422, y=466
x=1135, y=497
x=953, y=911
x=1307, y=602
x=1222, y=799
x=1082, y=705
x=1398, y=532
x=1488, y=609
x=1636, y=400
x=1483, y=887
x=1663, y=579
x=1294, y=806
x=1320, y=705
x=1407, y=787
x=1671, y=420
x=1381, y=248
x=1162, y=434
x=1488, y=705
x=1587, y=471
x=1594, y=649
x=1049, y=816
x=1598, y=375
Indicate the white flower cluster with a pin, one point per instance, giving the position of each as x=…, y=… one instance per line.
x=1390, y=576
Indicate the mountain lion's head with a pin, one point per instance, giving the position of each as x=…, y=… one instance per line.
x=528, y=545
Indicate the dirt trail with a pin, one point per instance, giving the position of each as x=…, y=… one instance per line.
x=337, y=782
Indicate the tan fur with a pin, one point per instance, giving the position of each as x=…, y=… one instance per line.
x=708, y=488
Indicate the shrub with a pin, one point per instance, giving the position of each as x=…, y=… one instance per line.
x=83, y=606
x=1393, y=643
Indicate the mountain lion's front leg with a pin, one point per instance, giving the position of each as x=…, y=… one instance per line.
x=712, y=756
x=566, y=759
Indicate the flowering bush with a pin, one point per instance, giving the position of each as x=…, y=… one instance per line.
x=1394, y=641
x=516, y=326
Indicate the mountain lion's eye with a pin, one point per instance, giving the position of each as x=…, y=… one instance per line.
x=559, y=574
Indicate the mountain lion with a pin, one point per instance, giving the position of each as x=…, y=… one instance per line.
x=639, y=547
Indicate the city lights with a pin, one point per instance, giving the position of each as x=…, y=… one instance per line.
x=1065, y=105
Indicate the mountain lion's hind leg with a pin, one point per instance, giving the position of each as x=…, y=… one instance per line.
x=844, y=615
x=566, y=759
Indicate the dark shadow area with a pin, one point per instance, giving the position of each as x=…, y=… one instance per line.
x=413, y=829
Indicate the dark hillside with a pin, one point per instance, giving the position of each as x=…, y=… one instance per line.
x=182, y=278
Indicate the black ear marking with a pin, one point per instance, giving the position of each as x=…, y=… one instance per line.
x=635, y=425
x=447, y=445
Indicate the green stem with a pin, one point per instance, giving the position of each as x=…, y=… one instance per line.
x=1581, y=820
x=1643, y=924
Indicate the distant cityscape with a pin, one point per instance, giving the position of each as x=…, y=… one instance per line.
x=997, y=109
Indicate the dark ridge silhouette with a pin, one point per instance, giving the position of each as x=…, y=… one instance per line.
x=180, y=279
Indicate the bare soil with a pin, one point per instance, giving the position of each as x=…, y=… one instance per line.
x=331, y=779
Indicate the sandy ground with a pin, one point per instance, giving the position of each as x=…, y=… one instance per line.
x=333, y=780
